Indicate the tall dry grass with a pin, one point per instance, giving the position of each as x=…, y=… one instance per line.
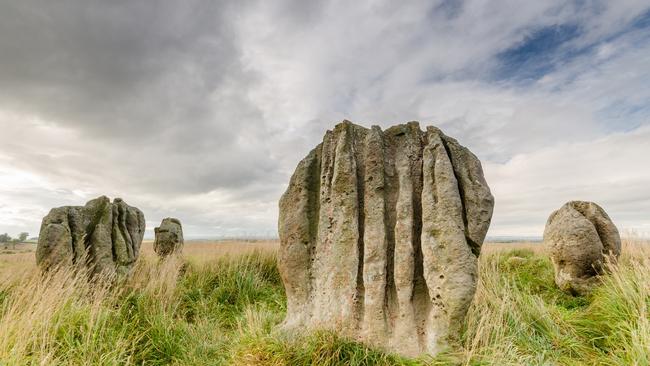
x=61, y=318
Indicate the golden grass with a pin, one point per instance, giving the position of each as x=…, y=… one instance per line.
x=494, y=247
x=21, y=261
x=199, y=251
x=202, y=251
x=208, y=250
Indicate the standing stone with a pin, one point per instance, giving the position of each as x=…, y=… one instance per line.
x=169, y=237
x=380, y=233
x=580, y=237
x=102, y=236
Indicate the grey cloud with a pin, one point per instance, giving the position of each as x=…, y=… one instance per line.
x=126, y=70
x=157, y=85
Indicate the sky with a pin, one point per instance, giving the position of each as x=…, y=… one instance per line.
x=202, y=109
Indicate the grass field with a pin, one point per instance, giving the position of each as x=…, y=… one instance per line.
x=219, y=306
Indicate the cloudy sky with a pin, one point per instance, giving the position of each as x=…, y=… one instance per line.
x=202, y=109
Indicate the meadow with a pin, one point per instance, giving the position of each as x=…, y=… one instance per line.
x=220, y=303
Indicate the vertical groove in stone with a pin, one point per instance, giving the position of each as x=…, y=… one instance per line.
x=421, y=299
x=116, y=237
x=122, y=220
x=374, y=254
x=322, y=253
x=134, y=236
x=428, y=241
x=99, y=230
x=295, y=247
x=449, y=265
x=474, y=192
x=126, y=216
x=458, y=174
x=345, y=229
x=117, y=240
x=404, y=265
x=73, y=239
x=313, y=207
x=120, y=242
x=77, y=231
x=142, y=225
x=358, y=137
x=390, y=198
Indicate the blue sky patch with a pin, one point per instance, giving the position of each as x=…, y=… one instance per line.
x=448, y=8
x=538, y=54
x=642, y=21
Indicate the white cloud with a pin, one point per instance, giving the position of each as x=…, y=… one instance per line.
x=611, y=171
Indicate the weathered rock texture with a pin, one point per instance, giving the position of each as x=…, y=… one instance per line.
x=580, y=236
x=169, y=237
x=380, y=233
x=102, y=236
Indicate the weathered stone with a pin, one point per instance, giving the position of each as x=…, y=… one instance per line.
x=580, y=237
x=380, y=233
x=102, y=236
x=169, y=237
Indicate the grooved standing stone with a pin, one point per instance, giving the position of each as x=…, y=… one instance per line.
x=580, y=236
x=169, y=237
x=105, y=237
x=380, y=233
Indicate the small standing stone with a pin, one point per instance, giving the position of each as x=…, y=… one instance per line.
x=169, y=237
x=102, y=236
x=580, y=237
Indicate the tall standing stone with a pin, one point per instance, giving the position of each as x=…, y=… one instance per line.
x=580, y=237
x=102, y=236
x=380, y=233
x=169, y=237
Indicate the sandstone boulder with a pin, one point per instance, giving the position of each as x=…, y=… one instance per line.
x=102, y=236
x=580, y=237
x=169, y=237
x=380, y=233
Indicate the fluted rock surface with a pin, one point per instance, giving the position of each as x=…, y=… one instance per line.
x=380, y=233
x=102, y=236
x=169, y=237
x=580, y=235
